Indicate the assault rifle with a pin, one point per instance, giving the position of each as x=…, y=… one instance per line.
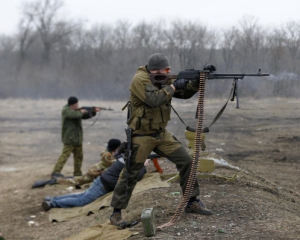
x=92, y=109
x=92, y=112
x=128, y=150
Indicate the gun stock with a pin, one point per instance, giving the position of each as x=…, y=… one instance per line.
x=154, y=158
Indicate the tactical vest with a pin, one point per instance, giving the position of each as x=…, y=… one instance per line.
x=148, y=120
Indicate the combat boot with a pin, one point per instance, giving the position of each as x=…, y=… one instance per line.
x=46, y=205
x=116, y=219
x=56, y=175
x=197, y=207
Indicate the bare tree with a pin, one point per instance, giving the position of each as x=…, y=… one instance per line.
x=276, y=51
x=7, y=46
x=45, y=17
x=291, y=39
x=99, y=40
x=189, y=40
x=25, y=38
x=228, y=46
x=250, y=41
x=121, y=34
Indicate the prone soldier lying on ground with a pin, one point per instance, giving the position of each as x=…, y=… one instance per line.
x=102, y=185
x=107, y=158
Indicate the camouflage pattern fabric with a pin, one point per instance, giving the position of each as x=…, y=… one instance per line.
x=106, y=160
x=165, y=145
x=77, y=181
x=78, y=157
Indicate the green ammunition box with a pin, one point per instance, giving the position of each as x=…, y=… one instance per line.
x=148, y=221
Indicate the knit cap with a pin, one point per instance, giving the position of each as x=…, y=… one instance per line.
x=72, y=100
x=158, y=61
x=113, y=144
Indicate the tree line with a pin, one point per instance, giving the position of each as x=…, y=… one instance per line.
x=54, y=57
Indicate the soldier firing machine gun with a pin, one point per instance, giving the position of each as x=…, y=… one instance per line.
x=192, y=74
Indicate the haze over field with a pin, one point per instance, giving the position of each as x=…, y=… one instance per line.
x=54, y=50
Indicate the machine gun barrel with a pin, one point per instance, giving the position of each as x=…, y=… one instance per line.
x=235, y=75
x=191, y=74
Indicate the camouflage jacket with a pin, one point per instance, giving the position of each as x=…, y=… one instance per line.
x=151, y=104
x=72, y=133
x=106, y=160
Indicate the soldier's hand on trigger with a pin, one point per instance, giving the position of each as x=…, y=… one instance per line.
x=180, y=84
x=83, y=111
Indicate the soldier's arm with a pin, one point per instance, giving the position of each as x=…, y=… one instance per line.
x=88, y=115
x=96, y=169
x=72, y=114
x=95, y=173
x=108, y=159
x=190, y=91
x=149, y=94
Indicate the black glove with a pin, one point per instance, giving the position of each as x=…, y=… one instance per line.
x=180, y=84
x=209, y=67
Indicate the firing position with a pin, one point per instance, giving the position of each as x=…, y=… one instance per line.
x=150, y=113
x=72, y=136
x=107, y=158
x=102, y=185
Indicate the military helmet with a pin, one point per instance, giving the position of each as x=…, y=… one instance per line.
x=158, y=61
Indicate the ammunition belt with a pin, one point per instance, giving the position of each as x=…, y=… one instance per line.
x=197, y=153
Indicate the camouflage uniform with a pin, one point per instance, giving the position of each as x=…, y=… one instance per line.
x=151, y=110
x=72, y=137
x=106, y=160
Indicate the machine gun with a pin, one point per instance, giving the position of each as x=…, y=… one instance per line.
x=192, y=74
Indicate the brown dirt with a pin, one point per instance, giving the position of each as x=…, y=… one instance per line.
x=261, y=138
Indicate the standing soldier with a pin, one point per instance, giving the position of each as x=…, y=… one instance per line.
x=151, y=110
x=72, y=136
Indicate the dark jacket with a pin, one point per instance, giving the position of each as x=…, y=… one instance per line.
x=71, y=132
x=109, y=178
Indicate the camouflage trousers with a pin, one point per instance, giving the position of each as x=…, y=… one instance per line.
x=166, y=145
x=78, y=157
x=77, y=181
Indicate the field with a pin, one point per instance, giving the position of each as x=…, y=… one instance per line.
x=261, y=138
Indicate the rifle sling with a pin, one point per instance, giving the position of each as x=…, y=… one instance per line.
x=206, y=129
x=90, y=113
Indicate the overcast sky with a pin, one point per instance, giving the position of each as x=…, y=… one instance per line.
x=214, y=14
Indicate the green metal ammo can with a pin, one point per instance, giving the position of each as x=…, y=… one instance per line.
x=148, y=221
